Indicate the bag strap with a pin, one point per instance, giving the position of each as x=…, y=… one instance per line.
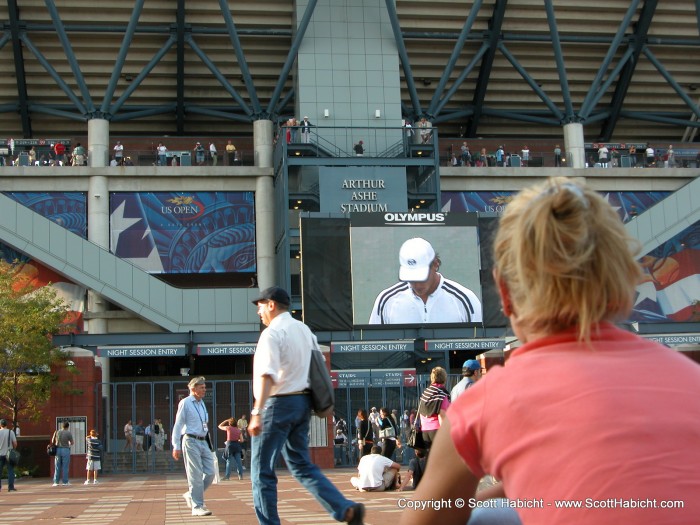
x=369, y=429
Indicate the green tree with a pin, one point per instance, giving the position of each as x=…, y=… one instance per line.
x=28, y=317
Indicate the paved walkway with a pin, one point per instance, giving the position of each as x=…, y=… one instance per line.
x=157, y=499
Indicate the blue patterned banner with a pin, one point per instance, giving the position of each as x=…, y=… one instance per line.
x=627, y=203
x=177, y=232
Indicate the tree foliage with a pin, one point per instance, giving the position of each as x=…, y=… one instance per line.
x=28, y=358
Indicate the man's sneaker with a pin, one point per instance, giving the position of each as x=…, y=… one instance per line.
x=188, y=499
x=66, y=483
x=87, y=482
x=358, y=512
x=201, y=511
x=55, y=485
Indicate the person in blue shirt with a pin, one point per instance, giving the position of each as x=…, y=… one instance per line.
x=191, y=441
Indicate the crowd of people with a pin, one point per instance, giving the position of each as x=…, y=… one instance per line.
x=601, y=156
x=140, y=438
x=58, y=154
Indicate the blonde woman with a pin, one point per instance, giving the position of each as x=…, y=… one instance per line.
x=583, y=411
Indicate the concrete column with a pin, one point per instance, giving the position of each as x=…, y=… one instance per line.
x=264, y=205
x=264, y=231
x=262, y=143
x=98, y=143
x=574, y=145
x=98, y=233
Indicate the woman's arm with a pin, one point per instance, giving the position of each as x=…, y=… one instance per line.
x=446, y=477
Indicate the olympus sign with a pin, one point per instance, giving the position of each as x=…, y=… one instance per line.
x=414, y=217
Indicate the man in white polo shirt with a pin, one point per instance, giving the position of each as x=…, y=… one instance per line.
x=424, y=295
x=375, y=472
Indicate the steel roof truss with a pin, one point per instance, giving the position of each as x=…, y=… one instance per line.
x=218, y=74
x=462, y=77
x=405, y=63
x=54, y=111
x=482, y=83
x=53, y=73
x=531, y=82
x=612, y=77
x=595, y=91
x=456, y=52
x=292, y=55
x=283, y=103
x=13, y=13
x=121, y=56
x=523, y=117
x=656, y=117
x=114, y=109
x=559, y=60
x=130, y=114
x=672, y=81
x=70, y=55
x=226, y=115
x=242, y=63
x=623, y=83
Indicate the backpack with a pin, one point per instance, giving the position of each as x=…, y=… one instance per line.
x=321, y=386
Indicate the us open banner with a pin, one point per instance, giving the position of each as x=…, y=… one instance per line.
x=184, y=232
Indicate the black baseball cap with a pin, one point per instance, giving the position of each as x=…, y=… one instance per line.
x=273, y=293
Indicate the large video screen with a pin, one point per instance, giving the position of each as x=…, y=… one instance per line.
x=391, y=268
x=415, y=268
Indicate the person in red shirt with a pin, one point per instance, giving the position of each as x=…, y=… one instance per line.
x=60, y=151
x=232, y=452
x=587, y=423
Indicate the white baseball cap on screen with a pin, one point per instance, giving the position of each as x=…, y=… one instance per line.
x=415, y=257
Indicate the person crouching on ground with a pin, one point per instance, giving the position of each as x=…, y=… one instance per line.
x=376, y=473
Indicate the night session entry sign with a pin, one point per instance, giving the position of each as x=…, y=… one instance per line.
x=373, y=346
x=226, y=349
x=435, y=345
x=142, y=351
x=440, y=345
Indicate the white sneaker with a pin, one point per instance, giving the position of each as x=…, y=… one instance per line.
x=66, y=484
x=95, y=482
x=87, y=482
x=188, y=499
x=55, y=485
x=201, y=511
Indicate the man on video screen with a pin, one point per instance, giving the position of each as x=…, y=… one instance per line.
x=423, y=295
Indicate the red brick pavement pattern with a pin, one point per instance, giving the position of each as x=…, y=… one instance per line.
x=157, y=499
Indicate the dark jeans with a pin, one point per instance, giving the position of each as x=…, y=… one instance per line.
x=62, y=461
x=286, y=431
x=388, y=447
x=233, y=457
x=10, y=473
